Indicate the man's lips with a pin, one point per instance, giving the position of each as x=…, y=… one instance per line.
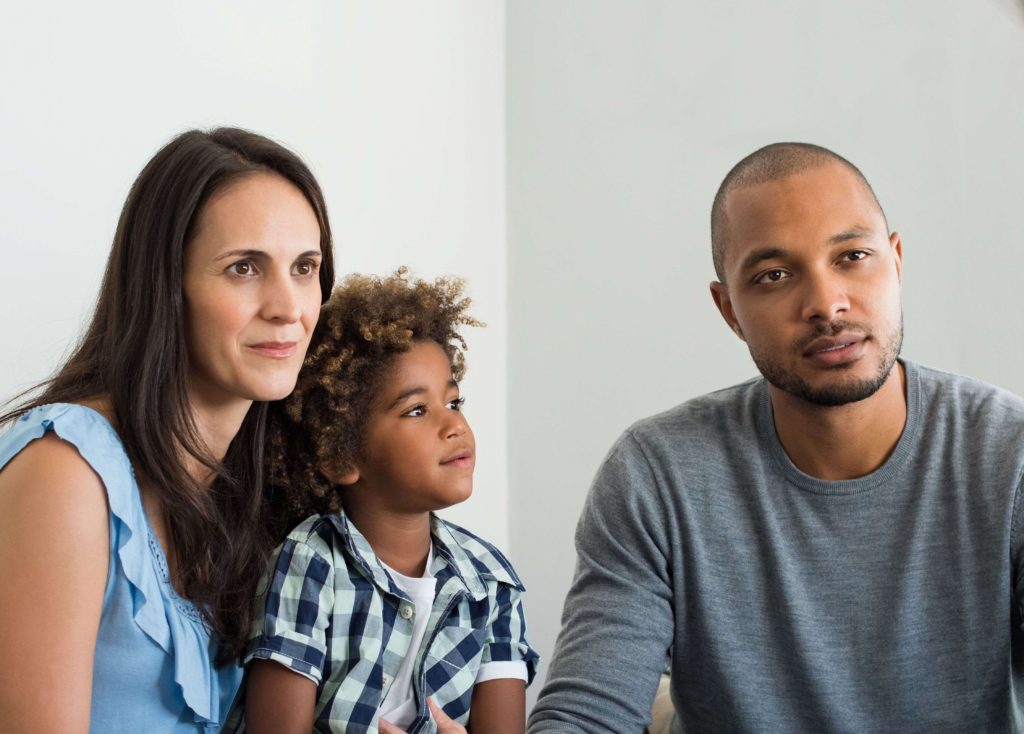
x=275, y=350
x=831, y=343
x=461, y=459
x=835, y=350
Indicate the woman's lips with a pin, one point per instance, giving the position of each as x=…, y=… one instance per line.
x=275, y=350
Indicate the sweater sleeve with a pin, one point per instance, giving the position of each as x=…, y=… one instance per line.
x=617, y=624
x=1017, y=550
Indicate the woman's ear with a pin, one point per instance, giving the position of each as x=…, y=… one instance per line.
x=345, y=476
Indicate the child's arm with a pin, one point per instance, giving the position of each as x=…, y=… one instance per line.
x=291, y=639
x=278, y=700
x=498, y=707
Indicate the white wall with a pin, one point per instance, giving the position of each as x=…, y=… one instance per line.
x=398, y=107
x=623, y=117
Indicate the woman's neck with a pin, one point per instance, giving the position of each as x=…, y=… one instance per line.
x=217, y=425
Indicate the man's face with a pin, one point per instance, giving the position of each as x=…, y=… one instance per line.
x=813, y=284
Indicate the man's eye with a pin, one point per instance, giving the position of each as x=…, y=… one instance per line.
x=771, y=276
x=856, y=255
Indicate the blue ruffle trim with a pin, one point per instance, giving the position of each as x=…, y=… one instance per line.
x=170, y=621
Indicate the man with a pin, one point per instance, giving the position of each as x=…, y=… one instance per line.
x=834, y=547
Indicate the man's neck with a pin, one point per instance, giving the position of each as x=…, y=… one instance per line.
x=842, y=442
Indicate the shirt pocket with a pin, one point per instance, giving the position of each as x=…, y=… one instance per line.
x=451, y=666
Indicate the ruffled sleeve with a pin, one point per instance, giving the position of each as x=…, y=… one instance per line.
x=171, y=622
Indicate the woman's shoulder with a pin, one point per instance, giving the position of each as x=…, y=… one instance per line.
x=66, y=448
x=49, y=450
x=81, y=426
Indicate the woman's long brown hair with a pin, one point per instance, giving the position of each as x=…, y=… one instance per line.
x=134, y=353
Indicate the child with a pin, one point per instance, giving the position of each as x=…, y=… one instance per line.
x=374, y=603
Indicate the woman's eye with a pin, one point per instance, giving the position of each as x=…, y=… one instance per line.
x=242, y=267
x=456, y=404
x=305, y=267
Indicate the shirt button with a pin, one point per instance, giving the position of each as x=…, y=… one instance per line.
x=406, y=611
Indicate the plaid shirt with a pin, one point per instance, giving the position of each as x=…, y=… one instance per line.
x=334, y=615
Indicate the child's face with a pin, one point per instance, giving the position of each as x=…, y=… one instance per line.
x=420, y=451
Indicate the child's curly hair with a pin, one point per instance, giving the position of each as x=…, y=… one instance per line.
x=367, y=322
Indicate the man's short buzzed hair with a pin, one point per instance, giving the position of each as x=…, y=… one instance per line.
x=769, y=163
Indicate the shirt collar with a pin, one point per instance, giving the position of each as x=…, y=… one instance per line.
x=450, y=559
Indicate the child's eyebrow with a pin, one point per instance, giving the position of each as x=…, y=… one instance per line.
x=406, y=394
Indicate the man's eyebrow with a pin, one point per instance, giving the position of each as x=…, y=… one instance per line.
x=760, y=255
x=769, y=253
x=856, y=233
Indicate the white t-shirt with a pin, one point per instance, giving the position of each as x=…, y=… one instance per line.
x=399, y=706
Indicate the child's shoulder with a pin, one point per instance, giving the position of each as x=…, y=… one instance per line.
x=485, y=557
x=317, y=532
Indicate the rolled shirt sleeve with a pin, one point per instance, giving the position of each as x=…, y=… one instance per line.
x=292, y=629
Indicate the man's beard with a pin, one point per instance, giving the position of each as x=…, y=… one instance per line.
x=839, y=392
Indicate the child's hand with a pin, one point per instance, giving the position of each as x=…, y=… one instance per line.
x=444, y=724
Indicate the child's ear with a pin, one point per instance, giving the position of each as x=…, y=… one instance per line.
x=344, y=476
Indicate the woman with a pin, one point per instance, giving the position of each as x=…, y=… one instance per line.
x=131, y=521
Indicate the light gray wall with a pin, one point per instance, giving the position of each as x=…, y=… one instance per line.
x=398, y=107
x=622, y=119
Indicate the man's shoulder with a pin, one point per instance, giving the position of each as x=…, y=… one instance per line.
x=942, y=390
x=731, y=410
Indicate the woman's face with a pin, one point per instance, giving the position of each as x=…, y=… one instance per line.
x=251, y=290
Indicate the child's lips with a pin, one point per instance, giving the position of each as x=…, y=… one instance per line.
x=462, y=459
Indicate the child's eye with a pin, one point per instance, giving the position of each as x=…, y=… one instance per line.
x=456, y=404
x=415, y=412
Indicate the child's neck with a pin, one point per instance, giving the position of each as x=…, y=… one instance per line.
x=400, y=541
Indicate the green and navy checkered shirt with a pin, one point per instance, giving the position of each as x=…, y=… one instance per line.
x=332, y=614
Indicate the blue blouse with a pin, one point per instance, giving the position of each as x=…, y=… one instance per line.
x=153, y=667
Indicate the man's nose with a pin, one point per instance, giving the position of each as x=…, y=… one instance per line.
x=824, y=298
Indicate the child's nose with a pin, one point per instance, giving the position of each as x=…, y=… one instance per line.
x=456, y=426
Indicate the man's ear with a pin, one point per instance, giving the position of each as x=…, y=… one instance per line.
x=720, y=295
x=344, y=476
x=896, y=243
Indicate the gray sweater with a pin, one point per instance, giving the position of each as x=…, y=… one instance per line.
x=784, y=603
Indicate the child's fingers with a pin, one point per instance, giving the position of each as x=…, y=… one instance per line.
x=444, y=724
x=386, y=727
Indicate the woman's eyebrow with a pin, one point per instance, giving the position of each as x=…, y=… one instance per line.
x=241, y=253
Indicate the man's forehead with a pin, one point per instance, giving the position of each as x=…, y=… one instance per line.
x=827, y=192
